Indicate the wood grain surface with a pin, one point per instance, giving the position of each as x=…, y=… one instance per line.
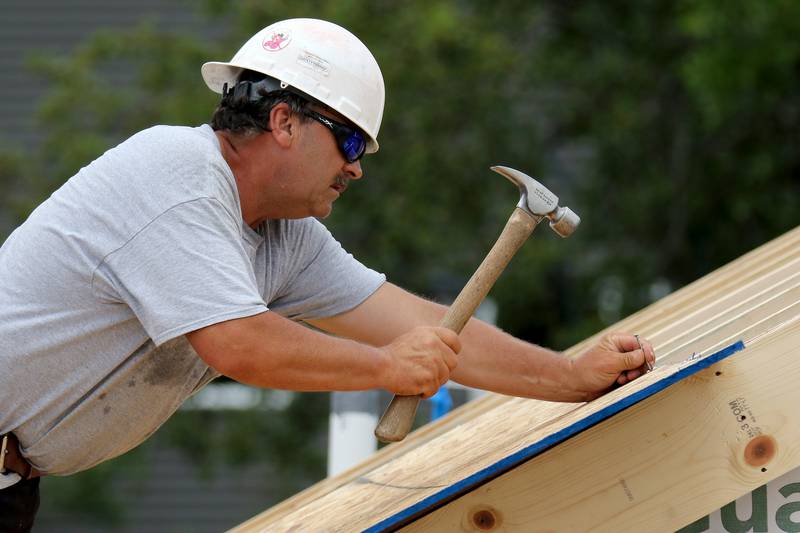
x=659, y=465
x=753, y=299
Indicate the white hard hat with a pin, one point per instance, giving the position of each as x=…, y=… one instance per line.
x=318, y=58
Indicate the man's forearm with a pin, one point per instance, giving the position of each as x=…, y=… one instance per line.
x=267, y=350
x=494, y=360
x=490, y=359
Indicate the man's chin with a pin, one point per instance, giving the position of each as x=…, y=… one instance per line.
x=323, y=212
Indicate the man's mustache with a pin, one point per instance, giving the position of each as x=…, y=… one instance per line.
x=342, y=181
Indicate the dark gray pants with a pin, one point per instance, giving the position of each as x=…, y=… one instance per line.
x=18, y=506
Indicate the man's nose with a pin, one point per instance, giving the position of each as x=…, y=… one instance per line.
x=353, y=170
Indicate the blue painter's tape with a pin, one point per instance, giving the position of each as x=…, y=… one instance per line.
x=507, y=463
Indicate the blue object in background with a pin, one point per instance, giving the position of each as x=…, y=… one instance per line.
x=441, y=403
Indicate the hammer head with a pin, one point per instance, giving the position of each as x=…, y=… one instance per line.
x=539, y=202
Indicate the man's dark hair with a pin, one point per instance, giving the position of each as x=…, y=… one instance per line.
x=246, y=116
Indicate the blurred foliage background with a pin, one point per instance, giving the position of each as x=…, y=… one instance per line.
x=671, y=127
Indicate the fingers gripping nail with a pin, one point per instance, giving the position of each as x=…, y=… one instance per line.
x=625, y=342
x=630, y=360
x=645, y=360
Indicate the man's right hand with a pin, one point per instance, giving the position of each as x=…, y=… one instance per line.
x=420, y=361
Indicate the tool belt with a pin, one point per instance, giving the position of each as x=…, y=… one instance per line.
x=11, y=460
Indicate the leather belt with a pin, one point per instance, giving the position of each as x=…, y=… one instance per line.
x=12, y=460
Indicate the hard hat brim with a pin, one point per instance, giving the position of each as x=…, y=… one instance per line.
x=216, y=74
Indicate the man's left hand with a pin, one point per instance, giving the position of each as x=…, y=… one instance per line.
x=615, y=360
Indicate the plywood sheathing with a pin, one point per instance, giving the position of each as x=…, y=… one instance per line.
x=750, y=299
x=659, y=465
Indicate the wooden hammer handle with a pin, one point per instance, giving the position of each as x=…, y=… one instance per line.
x=396, y=422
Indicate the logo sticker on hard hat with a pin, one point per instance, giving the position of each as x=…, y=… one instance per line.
x=276, y=40
x=313, y=62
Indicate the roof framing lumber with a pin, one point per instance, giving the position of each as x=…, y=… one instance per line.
x=753, y=299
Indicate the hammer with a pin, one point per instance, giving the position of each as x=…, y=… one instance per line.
x=535, y=203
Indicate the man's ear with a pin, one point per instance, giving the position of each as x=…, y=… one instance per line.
x=282, y=124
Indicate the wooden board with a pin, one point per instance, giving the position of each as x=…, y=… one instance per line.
x=749, y=299
x=550, y=435
x=659, y=465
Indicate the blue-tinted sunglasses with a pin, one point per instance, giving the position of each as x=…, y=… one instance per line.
x=351, y=142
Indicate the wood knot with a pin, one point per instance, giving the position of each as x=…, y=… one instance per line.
x=760, y=450
x=486, y=518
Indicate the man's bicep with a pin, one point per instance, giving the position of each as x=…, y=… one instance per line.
x=218, y=344
x=388, y=313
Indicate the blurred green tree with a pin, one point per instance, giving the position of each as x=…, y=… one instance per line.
x=689, y=114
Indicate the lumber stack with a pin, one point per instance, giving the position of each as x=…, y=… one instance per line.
x=716, y=419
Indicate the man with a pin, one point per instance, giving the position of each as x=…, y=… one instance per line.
x=184, y=254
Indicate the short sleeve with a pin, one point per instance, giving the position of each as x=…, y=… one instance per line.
x=328, y=281
x=185, y=270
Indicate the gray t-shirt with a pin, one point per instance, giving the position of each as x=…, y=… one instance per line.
x=99, y=285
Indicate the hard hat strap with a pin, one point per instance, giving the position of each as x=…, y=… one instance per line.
x=252, y=91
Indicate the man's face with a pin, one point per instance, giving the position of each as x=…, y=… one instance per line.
x=323, y=172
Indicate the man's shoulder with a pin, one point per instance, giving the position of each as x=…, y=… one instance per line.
x=200, y=139
x=178, y=131
x=182, y=162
